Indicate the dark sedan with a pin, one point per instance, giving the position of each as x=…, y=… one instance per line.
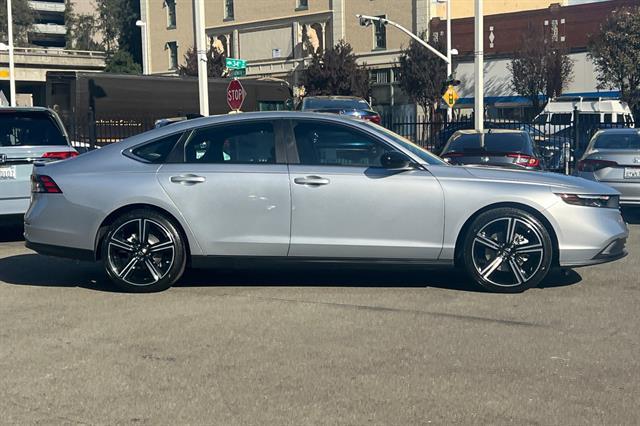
x=351, y=106
x=493, y=147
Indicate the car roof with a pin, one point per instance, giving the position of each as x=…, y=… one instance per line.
x=336, y=98
x=490, y=131
x=623, y=130
x=24, y=109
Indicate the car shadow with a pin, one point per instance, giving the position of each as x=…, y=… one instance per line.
x=11, y=232
x=45, y=271
x=631, y=215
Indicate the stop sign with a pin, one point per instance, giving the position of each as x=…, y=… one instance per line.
x=235, y=95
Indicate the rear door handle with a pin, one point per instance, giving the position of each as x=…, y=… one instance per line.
x=188, y=179
x=311, y=180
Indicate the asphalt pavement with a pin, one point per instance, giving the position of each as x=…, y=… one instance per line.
x=317, y=346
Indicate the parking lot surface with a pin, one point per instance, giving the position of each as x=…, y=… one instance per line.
x=317, y=346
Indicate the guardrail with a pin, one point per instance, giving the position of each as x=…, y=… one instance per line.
x=44, y=51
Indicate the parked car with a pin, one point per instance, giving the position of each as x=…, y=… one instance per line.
x=613, y=157
x=344, y=105
x=559, y=113
x=27, y=135
x=296, y=187
x=497, y=148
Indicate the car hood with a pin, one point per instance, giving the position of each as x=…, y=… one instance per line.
x=554, y=181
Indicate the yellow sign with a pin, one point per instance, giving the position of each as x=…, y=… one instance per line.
x=4, y=73
x=450, y=96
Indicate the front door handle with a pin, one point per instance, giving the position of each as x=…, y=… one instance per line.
x=311, y=181
x=188, y=179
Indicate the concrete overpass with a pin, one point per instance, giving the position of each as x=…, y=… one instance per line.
x=32, y=64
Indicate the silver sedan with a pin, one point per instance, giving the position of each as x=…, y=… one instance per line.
x=302, y=187
x=613, y=158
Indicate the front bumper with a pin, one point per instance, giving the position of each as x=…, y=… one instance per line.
x=588, y=235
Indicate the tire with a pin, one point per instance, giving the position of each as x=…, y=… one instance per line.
x=507, y=265
x=138, y=267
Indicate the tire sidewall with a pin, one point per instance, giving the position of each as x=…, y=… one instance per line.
x=179, y=263
x=498, y=213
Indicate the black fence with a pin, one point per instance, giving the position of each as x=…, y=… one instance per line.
x=560, y=144
x=89, y=132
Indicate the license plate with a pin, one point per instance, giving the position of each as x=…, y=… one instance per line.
x=7, y=173
x=632, y=173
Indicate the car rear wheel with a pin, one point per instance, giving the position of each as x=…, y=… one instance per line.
x=507, y=250
x=143, y=252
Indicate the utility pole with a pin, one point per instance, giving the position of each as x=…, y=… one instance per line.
x=449, y=64
x=479, y=67
x=201, y=47
x=12, y=68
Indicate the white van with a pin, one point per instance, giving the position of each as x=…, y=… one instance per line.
x=558, y=114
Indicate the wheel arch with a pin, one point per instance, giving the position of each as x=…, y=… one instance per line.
x=104, y=226
x=531, y=210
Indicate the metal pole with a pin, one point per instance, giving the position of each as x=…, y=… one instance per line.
x=12, y=74
x=201, y=46
x=479, y=67
x=449, y=65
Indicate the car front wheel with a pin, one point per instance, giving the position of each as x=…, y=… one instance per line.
x=507, y=250
x=143, y=251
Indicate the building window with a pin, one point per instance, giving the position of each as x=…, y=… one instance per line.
x=379, y=34
x=171, y=13
x=228, y=9
x=303, y=4
x=172, y=46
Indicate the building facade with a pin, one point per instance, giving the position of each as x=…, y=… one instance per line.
x=465, y=8
x=272, y=36
x=569, y=26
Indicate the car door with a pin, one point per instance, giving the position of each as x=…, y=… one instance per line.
x=346, y=205
x=230, y=182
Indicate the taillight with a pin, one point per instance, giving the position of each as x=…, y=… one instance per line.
x=59, y=155
x=525, y=160
x=373, y=118
x=44, y=184
x=590, y=165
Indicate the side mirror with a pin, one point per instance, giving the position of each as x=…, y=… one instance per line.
x=395, y=161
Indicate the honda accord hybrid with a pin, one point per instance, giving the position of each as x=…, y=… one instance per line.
x=284, y=187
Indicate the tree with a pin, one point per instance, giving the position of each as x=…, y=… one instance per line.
x=121, y=62
x=117, y=23
x=23, y=18
x=422, y=75
x=336, y=72
x=215, y=63
x=540, y=67
x=81, y=29
x=615, y=52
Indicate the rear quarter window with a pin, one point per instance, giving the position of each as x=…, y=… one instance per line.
x=157, y=151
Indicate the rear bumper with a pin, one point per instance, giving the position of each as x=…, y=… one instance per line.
x=14, y=206
x=59, y=251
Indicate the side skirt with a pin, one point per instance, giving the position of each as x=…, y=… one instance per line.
x=203, y=262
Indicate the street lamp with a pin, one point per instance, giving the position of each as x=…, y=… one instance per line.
x=145, y=47
x=366, y=21
x=9, y=47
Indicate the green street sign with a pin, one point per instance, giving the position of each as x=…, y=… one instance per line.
x=235, y=64
x=238, y=73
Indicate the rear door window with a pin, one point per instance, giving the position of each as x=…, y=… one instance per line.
x=561, y=119
x=32, y=128
x=241, y=143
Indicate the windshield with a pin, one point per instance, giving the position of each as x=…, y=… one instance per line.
x=493, y=142
x=316, y=103
x=424, y=155
x=31, y=128
x=630, y=140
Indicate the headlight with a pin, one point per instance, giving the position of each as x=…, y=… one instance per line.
x=606, y=201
